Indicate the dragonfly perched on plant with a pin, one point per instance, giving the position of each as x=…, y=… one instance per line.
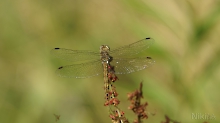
x=122, y=59
x=108, y=62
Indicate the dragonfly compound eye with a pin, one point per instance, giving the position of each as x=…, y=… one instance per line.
x=104, y=48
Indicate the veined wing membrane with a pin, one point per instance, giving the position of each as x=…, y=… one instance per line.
x=133, y=48
x=84, y=70
x=130, y=65
x=75, y=55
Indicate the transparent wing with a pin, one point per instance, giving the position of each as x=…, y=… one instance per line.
x=133, y=48
x=84, y=70
x=130, y=65
x=74, y=55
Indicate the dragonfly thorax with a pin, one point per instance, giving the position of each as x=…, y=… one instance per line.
x=105, y=57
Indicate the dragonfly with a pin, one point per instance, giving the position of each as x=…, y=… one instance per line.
x=94, y=63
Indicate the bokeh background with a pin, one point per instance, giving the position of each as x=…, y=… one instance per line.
x=184, y=80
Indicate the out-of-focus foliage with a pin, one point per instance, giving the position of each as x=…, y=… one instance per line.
x=184, y=80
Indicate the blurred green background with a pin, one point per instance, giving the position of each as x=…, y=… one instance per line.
x=184, y=80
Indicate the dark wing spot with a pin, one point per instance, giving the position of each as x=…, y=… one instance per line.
x=60, y=67
x=148, y=38
x=56, y=48
x=149, y=58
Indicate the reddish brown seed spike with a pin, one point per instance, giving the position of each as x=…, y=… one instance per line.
x=106, y=103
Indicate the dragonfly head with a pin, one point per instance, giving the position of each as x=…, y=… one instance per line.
x=104, y=48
